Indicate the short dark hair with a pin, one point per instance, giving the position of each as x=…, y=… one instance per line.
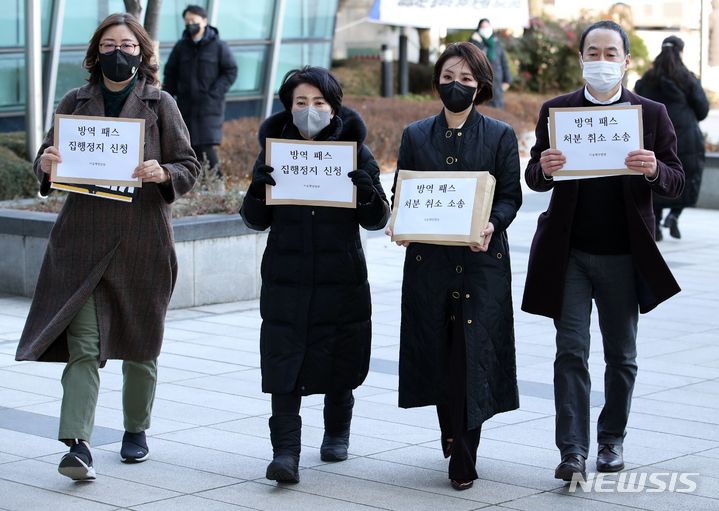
x=326, y=82
x=195, y=9
x=478, y=64
x=148, y=66
x=609, y=25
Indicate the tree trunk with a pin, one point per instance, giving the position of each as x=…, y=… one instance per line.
x=152, y=18
x=135, y=8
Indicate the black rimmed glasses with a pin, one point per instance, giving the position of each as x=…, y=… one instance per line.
x=126, y=48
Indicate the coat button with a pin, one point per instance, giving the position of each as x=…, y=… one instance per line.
x=455, y=294
x=419, y=258
x=448, y=134
x=449, y=160
x=469, y=321
x=302, y=387
x=499, y=256
x=313, y=213
x=467, y=295
x=451, y=318
x=459, y=269
x=459, y=134
x=665, y=185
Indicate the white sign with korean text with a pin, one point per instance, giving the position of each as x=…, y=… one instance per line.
x=595, y=140
x=435, y=206
x=442, y=207
x=450, y=13
x=312, y=173
x=98, y=150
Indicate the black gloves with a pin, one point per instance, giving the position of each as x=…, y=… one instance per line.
x=261, y=177
x=363, y=182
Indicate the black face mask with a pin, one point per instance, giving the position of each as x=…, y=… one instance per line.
x=456, y=96
x=193, y=29
x=117, y=66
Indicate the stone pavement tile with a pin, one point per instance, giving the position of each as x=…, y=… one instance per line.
x=12, y=398
x=651, y=446
x=224, y=308
x=159, y=474
x=15, y=305
x=684, y=396
x=386, y=496
x=21, y=497
x=546, y=456
x=105, y=489
x=646, y=499
x=197, y=415
x=395, y=432
x=649, y=347
x=662, y=366
x=423, y=479
x=11, y=325
x=21, y=381
x=383, y=341
x=227, y=384
x=252, y=426
x=517, y=434
x=193, y=502
x=197, y=365
x=209, y=399
x=425, y=416
x=675, y=410
x=212, y=353
x=383, y=381
x=207, y=327
x=224, y=441
x=270, y=496
x=181, y=334
x=679, y=427
x=690, y=356
x=233, y=342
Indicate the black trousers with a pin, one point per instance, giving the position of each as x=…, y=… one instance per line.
x=453, y=416
x=289, y=404
x=206, y=152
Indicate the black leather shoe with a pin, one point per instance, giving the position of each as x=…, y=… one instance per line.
x=446, y=448
x=571, y=464
x=609, y=458
x=462, y=484
x=671, y=222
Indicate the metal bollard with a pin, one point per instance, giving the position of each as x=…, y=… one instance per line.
x=403, y=67
x=387, y=80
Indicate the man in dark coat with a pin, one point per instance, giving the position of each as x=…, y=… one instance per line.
x=200, y=71
x=596, y=241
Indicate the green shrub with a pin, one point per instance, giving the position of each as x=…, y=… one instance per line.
x=17, y=179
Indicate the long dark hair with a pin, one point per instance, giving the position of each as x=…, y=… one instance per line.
x=148, y=67
x=669, y=64
x=478, y=64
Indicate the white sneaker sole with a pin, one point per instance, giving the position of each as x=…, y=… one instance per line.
x=75, y=469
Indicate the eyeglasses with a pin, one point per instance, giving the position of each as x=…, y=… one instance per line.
x=126, y=48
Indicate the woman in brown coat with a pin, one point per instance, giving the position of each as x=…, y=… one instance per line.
x=110, y=266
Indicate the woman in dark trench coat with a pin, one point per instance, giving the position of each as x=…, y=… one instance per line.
x=315, y=298
x=110, y=266
x=457, y=329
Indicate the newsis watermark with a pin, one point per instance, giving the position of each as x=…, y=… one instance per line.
x=634, y=482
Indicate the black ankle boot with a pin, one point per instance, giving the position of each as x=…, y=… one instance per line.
x=285, y=434
x=336, y=440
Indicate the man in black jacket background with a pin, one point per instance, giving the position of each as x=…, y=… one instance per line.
x=200, y=71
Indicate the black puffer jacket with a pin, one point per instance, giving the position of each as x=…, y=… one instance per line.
x=685, y=108
x=315, y=301
x=199, y=75
x=437, y=275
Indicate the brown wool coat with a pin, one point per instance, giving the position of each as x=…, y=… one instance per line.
x=124, y=252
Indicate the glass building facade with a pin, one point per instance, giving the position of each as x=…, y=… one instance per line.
x=246, y=25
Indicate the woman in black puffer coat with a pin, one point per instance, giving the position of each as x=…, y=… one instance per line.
x=457, y=331
x=671, y=83
x=315, y=300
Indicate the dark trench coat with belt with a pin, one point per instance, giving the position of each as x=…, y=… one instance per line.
x=438, y=278
x=123, y=252
x=315, y=300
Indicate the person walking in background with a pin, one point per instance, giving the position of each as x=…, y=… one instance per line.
x=199, y=72
x=671, y=83
x=485, y=40
x=110, y=266
x=596, y=242
x=315, y=300
x=457, y=327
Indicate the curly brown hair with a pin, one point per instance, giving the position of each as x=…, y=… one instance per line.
x=148, y=66
x=478, y=64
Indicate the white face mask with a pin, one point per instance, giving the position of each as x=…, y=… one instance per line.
x=485, y=32
x=603, y=76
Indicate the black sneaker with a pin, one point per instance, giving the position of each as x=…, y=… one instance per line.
x=77, y=464
x=134, y=447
